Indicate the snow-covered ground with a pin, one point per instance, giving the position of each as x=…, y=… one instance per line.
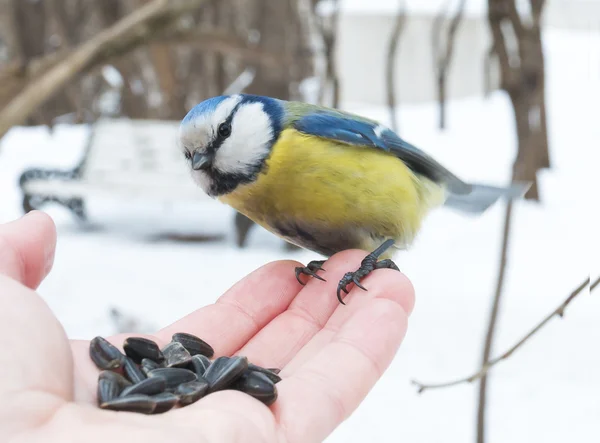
x=548, y=392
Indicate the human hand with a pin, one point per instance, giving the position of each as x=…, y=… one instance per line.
x=331, y=355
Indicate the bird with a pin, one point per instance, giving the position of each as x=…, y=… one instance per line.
x=321, y=178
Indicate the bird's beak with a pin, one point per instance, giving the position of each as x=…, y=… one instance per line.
x=201, y=161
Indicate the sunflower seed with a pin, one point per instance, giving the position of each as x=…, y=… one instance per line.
x=174, y=376
x=200, y=364
x=138, y=348
x=110, y=385
x=149, y=386
x=177, y=355
x=224, y=371
x=193, y=344
x=164, y=402
x=270, y=374
x=257, y=385
x=105, y=355
x=134, y=403
x=191, y=392
x=132, y=371
x=148, y=365
x=150, y=380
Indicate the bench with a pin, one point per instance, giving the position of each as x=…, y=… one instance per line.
x=132, y=158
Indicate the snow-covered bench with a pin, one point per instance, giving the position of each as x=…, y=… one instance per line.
x=132, y=158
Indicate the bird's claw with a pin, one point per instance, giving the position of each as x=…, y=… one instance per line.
x=352, y=277
x=310, y=270
x=368, y=265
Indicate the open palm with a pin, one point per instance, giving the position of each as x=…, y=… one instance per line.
x=331, y=355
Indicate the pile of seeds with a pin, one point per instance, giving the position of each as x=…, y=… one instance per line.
x=150, y=380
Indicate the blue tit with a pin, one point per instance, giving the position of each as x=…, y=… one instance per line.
x=322, y=179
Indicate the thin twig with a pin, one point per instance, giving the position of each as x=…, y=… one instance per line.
x=487, y=350
x=559, y=311
x=443, y=59
x=593, y=286
x=391, y=63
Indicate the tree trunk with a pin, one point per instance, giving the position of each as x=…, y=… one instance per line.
x=522, y=77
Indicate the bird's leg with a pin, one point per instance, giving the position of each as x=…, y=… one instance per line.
x=310, y=270
x=368, y=265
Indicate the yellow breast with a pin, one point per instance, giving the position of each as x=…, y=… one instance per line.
x=321, y=182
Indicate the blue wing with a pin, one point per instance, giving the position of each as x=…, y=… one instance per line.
x=359, y=132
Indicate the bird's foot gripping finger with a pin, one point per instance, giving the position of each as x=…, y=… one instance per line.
x=310, y=270
x=368, y=265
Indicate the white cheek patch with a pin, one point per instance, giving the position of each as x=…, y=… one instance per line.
x=249, y=142
x=202, y=180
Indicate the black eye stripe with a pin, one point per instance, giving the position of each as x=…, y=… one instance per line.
x=218, y=141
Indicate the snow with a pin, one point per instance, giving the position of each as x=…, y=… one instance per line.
x=547, y=391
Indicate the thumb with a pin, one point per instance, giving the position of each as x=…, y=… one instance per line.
x=27, y=247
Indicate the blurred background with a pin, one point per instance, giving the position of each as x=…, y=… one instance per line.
x=91, y=95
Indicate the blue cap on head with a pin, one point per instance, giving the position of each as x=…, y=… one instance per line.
x=204, y=107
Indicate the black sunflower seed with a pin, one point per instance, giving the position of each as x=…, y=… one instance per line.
x=149, y=386
x=174, y=376
x=191, y=392
x=110, y=385
x=270, y=374
x=177, y=355
x=138, y=348
x=257, y=385
x=105, y=355
x=148, y=365
x=132, y=371
x=164, y=402
x=224, y=371
x=200, y=364
x=274, y=370
x=193, y=344
x=134, y=403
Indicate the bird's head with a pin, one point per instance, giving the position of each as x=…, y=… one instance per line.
x=227, y=139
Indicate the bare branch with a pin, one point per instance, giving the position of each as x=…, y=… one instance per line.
x=487, y=350
x=391, y=62
x=558, y=312
x=443, y=59
x=132, y=31
x=496, y=15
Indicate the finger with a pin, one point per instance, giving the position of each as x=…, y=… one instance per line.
x=284, y=336
x=243, y=310
x=384, y=284
x=27, y=248
x=324, y=391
